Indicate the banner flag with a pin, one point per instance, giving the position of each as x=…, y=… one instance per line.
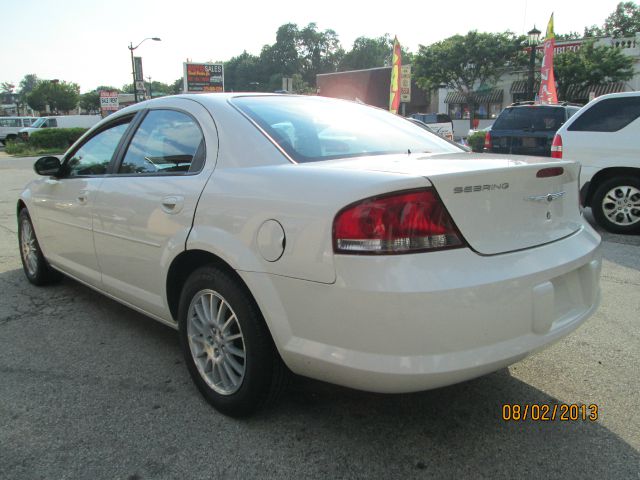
x=394, y=91
x=548, y=92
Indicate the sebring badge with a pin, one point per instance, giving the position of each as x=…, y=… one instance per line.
x=549, y=197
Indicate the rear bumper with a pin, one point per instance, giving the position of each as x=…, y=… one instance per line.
x=413, y=322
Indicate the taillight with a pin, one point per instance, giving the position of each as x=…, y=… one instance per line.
x=487, y=142
x=403, y=222
x=556, y=147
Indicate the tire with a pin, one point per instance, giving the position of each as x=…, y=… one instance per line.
x=231, y=358
x=35, y=266
x=616, y=205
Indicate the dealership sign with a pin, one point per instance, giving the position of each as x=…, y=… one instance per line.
x=108, y=100
x=405, y=83
x=203, y=77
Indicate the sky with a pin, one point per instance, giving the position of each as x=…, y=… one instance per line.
x=85, y=41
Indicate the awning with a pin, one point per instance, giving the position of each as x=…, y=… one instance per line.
x=487, y=96
x=520, y=86
x=575, y=93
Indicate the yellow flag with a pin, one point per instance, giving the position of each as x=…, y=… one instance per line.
x=550, y=33
x=394, y=91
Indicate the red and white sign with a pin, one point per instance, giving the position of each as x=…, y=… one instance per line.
x=109, y=100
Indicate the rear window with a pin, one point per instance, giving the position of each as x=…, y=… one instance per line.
x=311, y=129
x=608, y=115
x=530, y=118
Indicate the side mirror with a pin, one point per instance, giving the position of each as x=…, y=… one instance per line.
x=47, y=166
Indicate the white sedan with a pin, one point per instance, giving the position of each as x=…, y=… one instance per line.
x=332, y=239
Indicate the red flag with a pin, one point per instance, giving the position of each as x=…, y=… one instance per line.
x=394, y=91
x=548, y=92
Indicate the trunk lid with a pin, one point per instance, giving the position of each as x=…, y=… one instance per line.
x=499, y=203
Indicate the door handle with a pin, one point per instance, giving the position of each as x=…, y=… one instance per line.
x=172, y=204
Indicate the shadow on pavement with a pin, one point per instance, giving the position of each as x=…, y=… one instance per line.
x=91, y=388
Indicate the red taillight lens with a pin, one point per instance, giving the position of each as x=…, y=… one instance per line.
x=398, y=223
x=550, y=172
x=556, y=147
x=487, y=141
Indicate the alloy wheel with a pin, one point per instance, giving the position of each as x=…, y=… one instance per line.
x=216, y=342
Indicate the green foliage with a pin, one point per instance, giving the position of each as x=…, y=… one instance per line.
x=593, y=31
x=624, y=21
x=177, y=86
x=25, y=149
x=60, y=96
x=465, y=62
x=590, y=66
x=476, y=141
x=60, y=138
x=90, y=101
x=243, y=74
x=6, y=87
x=368, y=53
x=568, y=36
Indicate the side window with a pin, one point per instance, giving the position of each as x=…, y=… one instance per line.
x=94, y=156
x=167, y=142
x=608, y=116
x=52, y=122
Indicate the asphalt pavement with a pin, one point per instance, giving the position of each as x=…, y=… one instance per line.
x=92, y=389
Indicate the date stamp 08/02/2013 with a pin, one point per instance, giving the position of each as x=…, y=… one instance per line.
x=549, y=412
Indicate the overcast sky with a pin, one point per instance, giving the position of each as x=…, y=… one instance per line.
x=85, y=41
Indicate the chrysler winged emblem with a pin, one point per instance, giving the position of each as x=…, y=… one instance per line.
x=549, y=197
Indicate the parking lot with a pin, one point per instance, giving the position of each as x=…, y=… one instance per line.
x=92, y=389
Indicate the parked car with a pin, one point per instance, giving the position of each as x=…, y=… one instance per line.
x=423, y=125
x=10, y=126
x=333, y=239
x=604, y=137
x=60, y=121
x=438, y=122
x=527, y=128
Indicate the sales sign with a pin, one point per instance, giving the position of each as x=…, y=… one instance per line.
x=405, y=83
x=109, y=100
x=203, y=77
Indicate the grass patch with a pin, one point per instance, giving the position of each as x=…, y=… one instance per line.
x=24, y=149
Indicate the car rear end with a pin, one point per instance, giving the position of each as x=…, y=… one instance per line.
x=453, y=265
x=526, y=129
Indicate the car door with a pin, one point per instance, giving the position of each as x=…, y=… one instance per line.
x=144, y=210
x=63, y=206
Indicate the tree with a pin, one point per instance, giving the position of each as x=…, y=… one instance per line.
x=368, y=53
x=590, y=66
x=6, y=92
x=593, y=31
x=466, y=63
x=318, y=52
x=60, y=96
x=624, y=21
x=243, y=74
x=177, y=86
x=90, y=101
x=568, y=36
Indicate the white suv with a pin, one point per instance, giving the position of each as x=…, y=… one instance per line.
x=604, y=136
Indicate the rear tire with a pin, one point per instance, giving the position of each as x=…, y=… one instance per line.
x=226, y=344
x=35, y=266
x=616, y=205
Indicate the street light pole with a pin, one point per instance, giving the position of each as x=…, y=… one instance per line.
x=533, y=38
x=133, y=66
